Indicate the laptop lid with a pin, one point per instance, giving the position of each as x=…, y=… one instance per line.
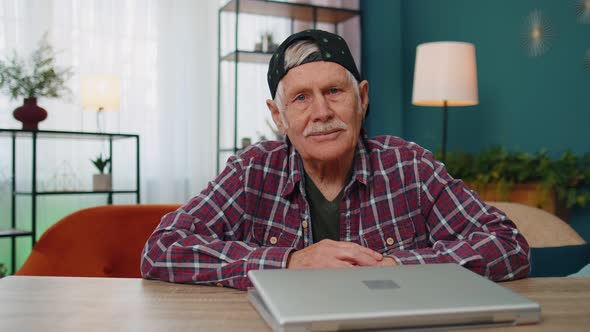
x=418, y=296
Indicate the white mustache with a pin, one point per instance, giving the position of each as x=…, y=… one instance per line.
x=318, y=128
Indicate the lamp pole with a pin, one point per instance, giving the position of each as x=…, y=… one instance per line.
x=444, y=133
x=99, y=119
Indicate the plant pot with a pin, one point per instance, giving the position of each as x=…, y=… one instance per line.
x=30, y=114
x=102, y=182
x=531, y=194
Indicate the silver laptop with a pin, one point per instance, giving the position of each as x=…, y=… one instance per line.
x=411, y=297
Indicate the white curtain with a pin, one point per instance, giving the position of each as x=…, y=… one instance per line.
x=163, y=51
x=165, y=54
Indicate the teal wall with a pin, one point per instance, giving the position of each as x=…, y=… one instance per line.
x=381, y=61
x=526, y=103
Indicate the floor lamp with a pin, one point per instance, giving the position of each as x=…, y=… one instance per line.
x=445, y=75
x=100, y=93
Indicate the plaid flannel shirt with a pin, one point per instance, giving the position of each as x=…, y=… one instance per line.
x=399, y=202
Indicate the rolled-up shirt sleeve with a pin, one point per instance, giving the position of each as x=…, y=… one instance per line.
x=464, y=230
x=203, y=242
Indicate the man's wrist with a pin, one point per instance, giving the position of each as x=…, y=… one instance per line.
x=288, y=260
x=389, y=261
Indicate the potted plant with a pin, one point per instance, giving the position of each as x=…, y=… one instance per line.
x=101, y=181
x=39, y=77
x=532, y=179
x=3, y=270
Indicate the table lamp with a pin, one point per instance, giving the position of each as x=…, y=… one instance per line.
x=445, y=75
x=100, y=93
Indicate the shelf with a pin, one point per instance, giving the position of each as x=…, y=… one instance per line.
x=12, y=232
x=297, y=11
x=14, y=135
x=229, y=150
x=63, y=134
x=77, y=192
x=248, y=56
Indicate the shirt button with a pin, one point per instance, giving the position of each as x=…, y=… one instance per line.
x=389, y=241
x=304, y=223
x=273, y=240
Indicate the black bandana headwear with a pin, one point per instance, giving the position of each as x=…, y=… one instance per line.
x=332, y=47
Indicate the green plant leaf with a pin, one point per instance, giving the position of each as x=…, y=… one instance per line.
x=39, y=77
x=101, y=163
x=568, y=176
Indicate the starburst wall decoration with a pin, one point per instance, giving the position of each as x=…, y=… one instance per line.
x=583, y=11
x=538, y=34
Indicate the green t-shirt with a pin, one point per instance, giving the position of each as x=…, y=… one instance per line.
x=325, y=215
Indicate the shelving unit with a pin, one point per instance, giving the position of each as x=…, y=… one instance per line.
x=34, y=136
x=295, y=12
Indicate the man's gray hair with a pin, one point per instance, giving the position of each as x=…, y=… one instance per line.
x=295, y=54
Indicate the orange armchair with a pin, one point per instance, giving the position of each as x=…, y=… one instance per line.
x=103, y=241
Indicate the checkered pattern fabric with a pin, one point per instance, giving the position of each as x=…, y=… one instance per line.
x=399, y=202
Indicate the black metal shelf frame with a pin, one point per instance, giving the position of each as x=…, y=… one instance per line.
x=44, y=193
x=35, y=135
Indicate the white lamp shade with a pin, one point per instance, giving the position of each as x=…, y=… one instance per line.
x=445, y=71
x=101, y=92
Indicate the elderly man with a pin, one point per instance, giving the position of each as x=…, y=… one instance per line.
x=328, y=196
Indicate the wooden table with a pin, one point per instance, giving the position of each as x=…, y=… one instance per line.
x=112, y=304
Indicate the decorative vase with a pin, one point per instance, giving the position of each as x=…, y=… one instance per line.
x=30, y=114
x=102, y=182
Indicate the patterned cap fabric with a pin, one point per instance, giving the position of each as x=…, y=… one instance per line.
x=332, y=48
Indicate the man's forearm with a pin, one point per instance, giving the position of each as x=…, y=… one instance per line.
x=202, y=260
x=486, y=260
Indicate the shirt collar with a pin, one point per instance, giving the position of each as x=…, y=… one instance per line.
x=361, y=171
x=295, y=166
x=362, y=167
